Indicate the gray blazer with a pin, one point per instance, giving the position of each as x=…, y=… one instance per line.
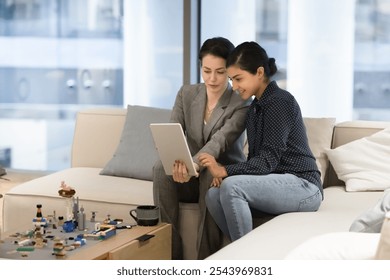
x=222, y=137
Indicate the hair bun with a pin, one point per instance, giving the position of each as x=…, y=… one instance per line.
x=272, y=66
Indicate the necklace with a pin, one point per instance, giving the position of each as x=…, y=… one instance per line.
x=208, y=110
x=208, y=113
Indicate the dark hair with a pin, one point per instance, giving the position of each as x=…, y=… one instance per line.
x=249, y=56
x=217, y=46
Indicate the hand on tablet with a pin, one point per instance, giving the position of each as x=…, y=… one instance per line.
x=180, y=172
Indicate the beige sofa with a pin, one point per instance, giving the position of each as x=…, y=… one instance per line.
x=97, y=135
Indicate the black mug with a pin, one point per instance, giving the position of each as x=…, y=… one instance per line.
x=146, y=215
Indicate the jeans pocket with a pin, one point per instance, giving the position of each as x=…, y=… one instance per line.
x=312, y=203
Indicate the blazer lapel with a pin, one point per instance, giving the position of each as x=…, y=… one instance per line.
x=217, y=113
x=197, y=113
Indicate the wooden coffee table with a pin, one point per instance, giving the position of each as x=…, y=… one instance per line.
x=124, y=245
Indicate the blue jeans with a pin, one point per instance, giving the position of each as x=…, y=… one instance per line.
x=230, y=204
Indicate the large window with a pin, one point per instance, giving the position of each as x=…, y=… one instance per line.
x=57, y=57
x=153, y=49
x=371, y=60
x=263, y=21
x=267, y=22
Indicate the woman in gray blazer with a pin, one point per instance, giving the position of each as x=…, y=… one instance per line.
x=213, y=118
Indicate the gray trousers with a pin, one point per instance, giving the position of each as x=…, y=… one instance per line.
x=167, y=194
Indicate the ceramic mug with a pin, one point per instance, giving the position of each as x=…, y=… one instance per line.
x=146, y=215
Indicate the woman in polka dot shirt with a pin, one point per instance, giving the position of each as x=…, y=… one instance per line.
x=280, y=174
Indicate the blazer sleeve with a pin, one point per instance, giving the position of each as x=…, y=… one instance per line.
x=177, y=114
x=225, y=137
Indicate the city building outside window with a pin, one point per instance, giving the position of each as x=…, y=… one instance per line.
x=58, y=57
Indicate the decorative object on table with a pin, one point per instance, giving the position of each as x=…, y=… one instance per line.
x=59, y=247
x=60, y=221
x=107, y=220
x=39, y=221
x=68, y=226
x=39, y=240
x=68, y=192
x=103, y=232
x=52, y=220
x=93, y=217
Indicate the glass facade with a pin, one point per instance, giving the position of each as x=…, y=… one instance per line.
x=263, y=21
x=371, y=60
x=267, y=22
x=57, y=57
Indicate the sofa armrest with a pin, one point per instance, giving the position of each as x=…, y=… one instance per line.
x=349, y=131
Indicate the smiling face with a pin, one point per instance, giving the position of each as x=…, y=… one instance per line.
x=246, y=83
x=214, y=74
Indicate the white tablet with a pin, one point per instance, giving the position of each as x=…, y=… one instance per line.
x=171, y=145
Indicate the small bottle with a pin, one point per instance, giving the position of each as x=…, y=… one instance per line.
x=81, y=219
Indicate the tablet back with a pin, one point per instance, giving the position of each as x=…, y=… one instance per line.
x=171, y=145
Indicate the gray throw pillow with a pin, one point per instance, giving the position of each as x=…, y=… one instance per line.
x=371, y=221
x=136, y=153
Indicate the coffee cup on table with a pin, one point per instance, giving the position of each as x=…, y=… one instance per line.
x=146, y=215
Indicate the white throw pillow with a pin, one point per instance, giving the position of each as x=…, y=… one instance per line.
x=364, y=164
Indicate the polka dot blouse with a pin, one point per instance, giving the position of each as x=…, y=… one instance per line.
x=277, y=138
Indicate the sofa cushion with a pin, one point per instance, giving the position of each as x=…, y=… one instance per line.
x=337, y=246
x=136, y=153
x=363, y=164
x=319, y=132
x=89, y=185
x=104, y=194
x=277, y=237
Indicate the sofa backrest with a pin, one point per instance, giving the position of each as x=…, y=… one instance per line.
x=96, y=136
x=346, y=132
x=98, y=132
